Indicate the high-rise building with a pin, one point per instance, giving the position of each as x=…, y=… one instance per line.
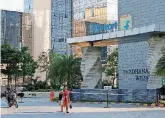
x=16, y=31
x=11, y=28
x=51, y=26
x=55, y=14
x=27, y=38
x=61, y=25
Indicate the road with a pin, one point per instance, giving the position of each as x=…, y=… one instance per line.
x=43, y=108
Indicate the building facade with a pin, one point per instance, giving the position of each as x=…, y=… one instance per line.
x=141, y=39
x=11, y=28
x=60, y=19
x=134, y=51
x=27, y=35
x=90, y=13
x=41, y=28
x=61, y=25
x=16, y=29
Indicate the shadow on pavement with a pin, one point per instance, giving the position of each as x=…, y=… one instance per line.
x=4, y=107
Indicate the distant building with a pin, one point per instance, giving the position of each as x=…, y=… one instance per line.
x=27, y=34
x=16, y=31
x=11, y=28
x=53, y=20
x=51, y=26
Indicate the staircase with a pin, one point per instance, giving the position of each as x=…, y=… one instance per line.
x=154, y=54
x=91, y=67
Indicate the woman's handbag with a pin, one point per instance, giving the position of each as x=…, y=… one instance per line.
x=70, y=106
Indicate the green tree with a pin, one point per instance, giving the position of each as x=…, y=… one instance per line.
x=106, y=83
x=65, y=69
x=16, y=63
x=28, y=65
x=10, y=58
x=111, y=68
x=160, y=68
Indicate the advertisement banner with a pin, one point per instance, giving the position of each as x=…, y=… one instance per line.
x=126, y=22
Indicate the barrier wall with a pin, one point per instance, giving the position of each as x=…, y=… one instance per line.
x=39, y=94
x=116, y=95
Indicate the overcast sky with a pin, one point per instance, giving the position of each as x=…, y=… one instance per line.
x=13, y=5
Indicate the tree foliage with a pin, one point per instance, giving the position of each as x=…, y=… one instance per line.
x=65, y=69
x=106, y=83
x=37, y=86
x=16, y=63
x=111, y=69
x=10, y=57
x=28, y=65
x=160, y=71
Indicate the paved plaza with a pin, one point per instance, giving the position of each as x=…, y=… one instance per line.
x=43, y=108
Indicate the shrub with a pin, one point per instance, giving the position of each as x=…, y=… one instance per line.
x=162, y=102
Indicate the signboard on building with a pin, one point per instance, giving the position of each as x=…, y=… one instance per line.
x=126, y=22
x=96, y=28
x=99, y=28
x=140, y=74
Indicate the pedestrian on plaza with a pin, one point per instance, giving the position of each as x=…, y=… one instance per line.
x=61, y=95
x=65, y=99
x=61, y=91
x=71, y=98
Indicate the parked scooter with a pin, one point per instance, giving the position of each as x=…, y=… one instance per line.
x=11, y=99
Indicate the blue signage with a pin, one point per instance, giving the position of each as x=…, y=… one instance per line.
x=99, y=28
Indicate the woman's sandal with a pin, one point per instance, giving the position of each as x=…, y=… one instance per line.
x=67, y=112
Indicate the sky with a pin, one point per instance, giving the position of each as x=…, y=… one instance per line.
x=12, y=5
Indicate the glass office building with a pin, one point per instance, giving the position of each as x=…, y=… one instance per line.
x=61, y=25
x=60, y=12
x=11, y=28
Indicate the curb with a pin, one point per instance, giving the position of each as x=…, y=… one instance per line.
x=137, y=104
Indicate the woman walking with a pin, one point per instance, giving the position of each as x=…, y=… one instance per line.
x=65, y=99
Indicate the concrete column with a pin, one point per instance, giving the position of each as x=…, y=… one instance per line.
x=91, y=67
x=156, y=44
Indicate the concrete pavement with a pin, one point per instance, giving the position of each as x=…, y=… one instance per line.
x=42, y=108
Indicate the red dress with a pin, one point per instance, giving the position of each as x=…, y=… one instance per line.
x=66, y=97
